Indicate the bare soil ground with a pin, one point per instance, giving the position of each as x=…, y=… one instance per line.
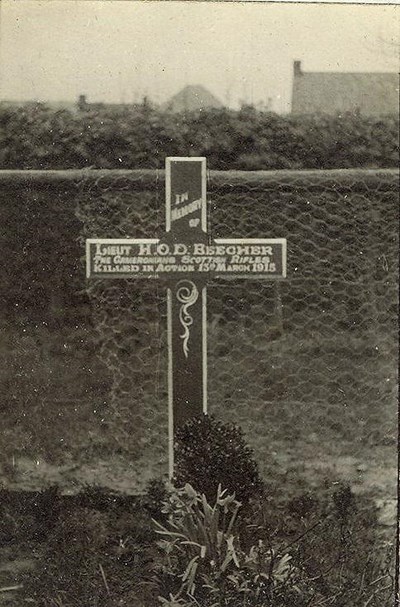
x=374, y=475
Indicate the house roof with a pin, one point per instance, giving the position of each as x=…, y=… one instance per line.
x=370, y=93
x=191, y=98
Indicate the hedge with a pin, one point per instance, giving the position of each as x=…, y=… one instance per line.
x=37, y=137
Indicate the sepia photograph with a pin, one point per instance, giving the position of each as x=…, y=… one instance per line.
x=199, y=349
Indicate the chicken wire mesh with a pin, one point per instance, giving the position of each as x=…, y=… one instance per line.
x=311, y=359
x=310, y=355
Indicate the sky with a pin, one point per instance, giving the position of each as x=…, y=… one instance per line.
x=119, y=51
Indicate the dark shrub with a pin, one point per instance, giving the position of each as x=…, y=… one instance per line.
x=209, y=452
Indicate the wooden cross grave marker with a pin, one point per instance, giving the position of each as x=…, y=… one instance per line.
x=187, y=257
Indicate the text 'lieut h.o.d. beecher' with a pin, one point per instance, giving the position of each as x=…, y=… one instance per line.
x=179, y=257
x=197, y=248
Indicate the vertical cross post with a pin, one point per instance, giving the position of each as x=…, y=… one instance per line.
x=186, y=224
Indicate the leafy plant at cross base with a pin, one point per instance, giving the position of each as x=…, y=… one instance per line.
x=209, y=453
x=204, y=533
x=204, y=560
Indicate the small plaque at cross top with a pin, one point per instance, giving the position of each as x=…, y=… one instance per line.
x=187, y=257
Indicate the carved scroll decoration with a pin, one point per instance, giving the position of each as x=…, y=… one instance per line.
x=187, y=294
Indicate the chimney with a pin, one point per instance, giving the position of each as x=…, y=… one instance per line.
x=82, y=103
x=297, y=68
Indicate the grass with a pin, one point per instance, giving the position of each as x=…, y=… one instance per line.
x=98, y=549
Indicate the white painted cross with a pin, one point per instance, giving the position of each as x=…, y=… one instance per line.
x=187, y=257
